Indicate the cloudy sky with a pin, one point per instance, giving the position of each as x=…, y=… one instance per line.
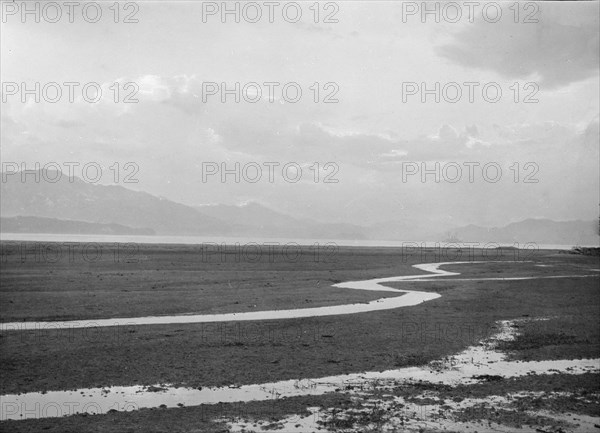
x=376, y=136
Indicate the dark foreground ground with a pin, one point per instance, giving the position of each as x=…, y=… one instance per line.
x=174, y=279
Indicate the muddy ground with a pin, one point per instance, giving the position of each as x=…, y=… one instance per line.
x=171, y=279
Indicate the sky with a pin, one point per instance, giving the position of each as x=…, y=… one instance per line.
x=373, y=140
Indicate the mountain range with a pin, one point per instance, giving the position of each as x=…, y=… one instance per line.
x=72, y=205
x=540, y=231
x=30, y=224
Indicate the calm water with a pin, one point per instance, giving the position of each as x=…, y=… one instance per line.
x=195, y=240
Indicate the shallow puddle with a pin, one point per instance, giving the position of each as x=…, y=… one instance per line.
x=397, y=414
x=481, y=360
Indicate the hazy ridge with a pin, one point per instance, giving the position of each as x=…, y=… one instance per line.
x=74, y=206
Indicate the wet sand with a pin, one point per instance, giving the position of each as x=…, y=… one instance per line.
x=481, y=360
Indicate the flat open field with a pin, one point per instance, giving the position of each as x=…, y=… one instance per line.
x=167, y=279
x=173, y=279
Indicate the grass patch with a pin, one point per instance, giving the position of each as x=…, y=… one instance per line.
x=491, y=414
x=195, y=419
x=556, y=338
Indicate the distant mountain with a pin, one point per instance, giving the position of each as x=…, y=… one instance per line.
x=67, y=205
x=413, y=230
x=249, y=215
x=28, y=224
x=74, y=199
x=254, y=219
x=540, y=231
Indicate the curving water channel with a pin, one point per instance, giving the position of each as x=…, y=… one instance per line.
x=474, y=361
x=407, y=299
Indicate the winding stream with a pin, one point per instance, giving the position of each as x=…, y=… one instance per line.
x=475, y=360
x=407, y=299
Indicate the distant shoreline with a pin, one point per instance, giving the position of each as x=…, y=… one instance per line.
x=197, y=240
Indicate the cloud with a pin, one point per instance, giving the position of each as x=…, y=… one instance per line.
x=65, y=123
x=170, y=133
x=153, y=87
x=557, y=51
x=591, y=135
